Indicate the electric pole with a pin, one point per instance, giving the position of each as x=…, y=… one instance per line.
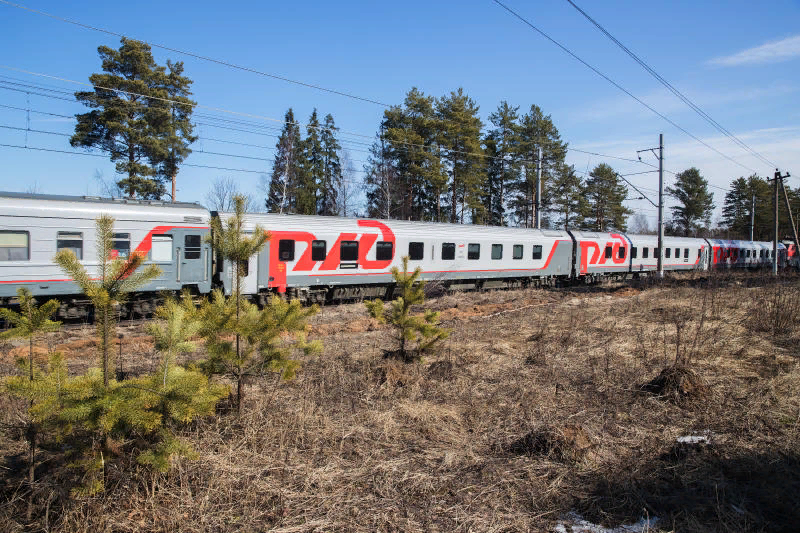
x=752, y=216
x=776, y=179
x=660, y=206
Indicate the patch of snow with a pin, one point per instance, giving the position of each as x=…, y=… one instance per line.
x=693, y=439
x=577, y=524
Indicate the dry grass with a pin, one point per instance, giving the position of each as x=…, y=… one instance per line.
x=533, y=408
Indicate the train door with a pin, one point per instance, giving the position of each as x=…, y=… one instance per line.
x=192, y=256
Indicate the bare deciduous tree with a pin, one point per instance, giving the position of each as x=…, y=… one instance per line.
x=349, y=186
x=220, y=196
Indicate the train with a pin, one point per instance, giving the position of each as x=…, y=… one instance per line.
x=321, y=259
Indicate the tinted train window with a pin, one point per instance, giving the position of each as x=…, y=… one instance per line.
x=319, y=250
x=121, y=245
x=537, y=251
x=191, y=248
x=497, y=251
x=517, y=251
x=644, y=252
x=677, y=253
x=473, y=251
x=655, y=251
x=416, y=251
x=448, y=251
x=383, y=251
x=634, y=252
x=762, y=254
x=686, y=253
x=698, y=253
x=668, y=253
x=622, y=252
x=70, y=240
x=608, y=252
x=285, y=250
x=349, y=251
x=14, y=246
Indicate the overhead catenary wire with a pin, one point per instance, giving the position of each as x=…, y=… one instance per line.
x=672, y=89
x=615, y=84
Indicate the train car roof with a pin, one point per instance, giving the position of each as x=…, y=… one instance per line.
x=274, y=221
x=23, y=204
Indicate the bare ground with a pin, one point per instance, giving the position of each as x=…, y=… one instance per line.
x=537, y=405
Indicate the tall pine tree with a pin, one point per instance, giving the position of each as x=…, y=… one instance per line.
x=695, y=202
x=605, y=193
x=332, y=169
x=313, y=169
x=568, y=198
x=502, y=150
x=287, y=168
x=130, y=119
x=463, y=155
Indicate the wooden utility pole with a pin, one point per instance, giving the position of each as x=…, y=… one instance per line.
x=776, y=179
x=538, y=224
x=660, y=205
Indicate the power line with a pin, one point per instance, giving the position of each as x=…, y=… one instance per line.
x=251, y=115
x=199, y=56
x=615, y=84
x=672, y=89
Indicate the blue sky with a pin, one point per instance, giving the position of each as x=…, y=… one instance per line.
x=737, y=60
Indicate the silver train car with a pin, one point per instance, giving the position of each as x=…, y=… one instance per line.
x=33, y=228
x=320, y=259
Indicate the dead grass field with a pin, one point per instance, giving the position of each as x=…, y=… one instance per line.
x=537, y=405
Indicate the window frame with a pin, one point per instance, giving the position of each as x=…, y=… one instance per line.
x=536, y=253
x=518, y=248
x=27, y=247
x=315, y=247
x=121, y=237
x=473, y=251
x=159, y=238
x=416, y=251
x=645, y=252
x=60, y=236
x=668, y=253
x=609, y=252
x=286, y=245
x=349, y=246
x=187, y=249
x=451, y=247
x=380, y=250
x=497, y=247
x=634, y=252
x=621, y=252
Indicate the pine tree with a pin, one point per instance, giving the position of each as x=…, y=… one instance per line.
x=175, y=128
x=502, y=150
x=31, y=321
x=463, y=155
x=287, y=168
x=695, y=202
x=536, y=131
x=738, y=207
x=380, y=180
x=605, y=194
x=175, y=394
x=332, y=175
x=568, y=197
x=130, y=120
x=416, y=335
x=313, y=170
x=255, y=348
x=109, y=286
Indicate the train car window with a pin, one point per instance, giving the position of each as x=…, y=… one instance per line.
x=161, y=249
x=473, y=250
x=677, y=253
x=686, y=253
x=416, y=250
x=667, y=252
x=15, y=246
x=448, y=251
x=634, y=252
x=70, y=240
x=517, y=251
x=497, y=251
x=621, y=252
x=655, y=251
x=121, y=244
x=537, y=251
x=349, y=251
x=747, y=253
x=286, y=250
x=645, y=251
x=761, y=255
x=384, y=251
x=319, y=250
x=698, y=253
x=191, y=249
x=608, y=252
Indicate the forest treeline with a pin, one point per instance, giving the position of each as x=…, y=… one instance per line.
x=432, y=159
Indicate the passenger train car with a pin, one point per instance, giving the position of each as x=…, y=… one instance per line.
x=319, y=259
x=33, y=228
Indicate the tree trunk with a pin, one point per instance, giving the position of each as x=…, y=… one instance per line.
x=105, y=346
x=31, y=465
